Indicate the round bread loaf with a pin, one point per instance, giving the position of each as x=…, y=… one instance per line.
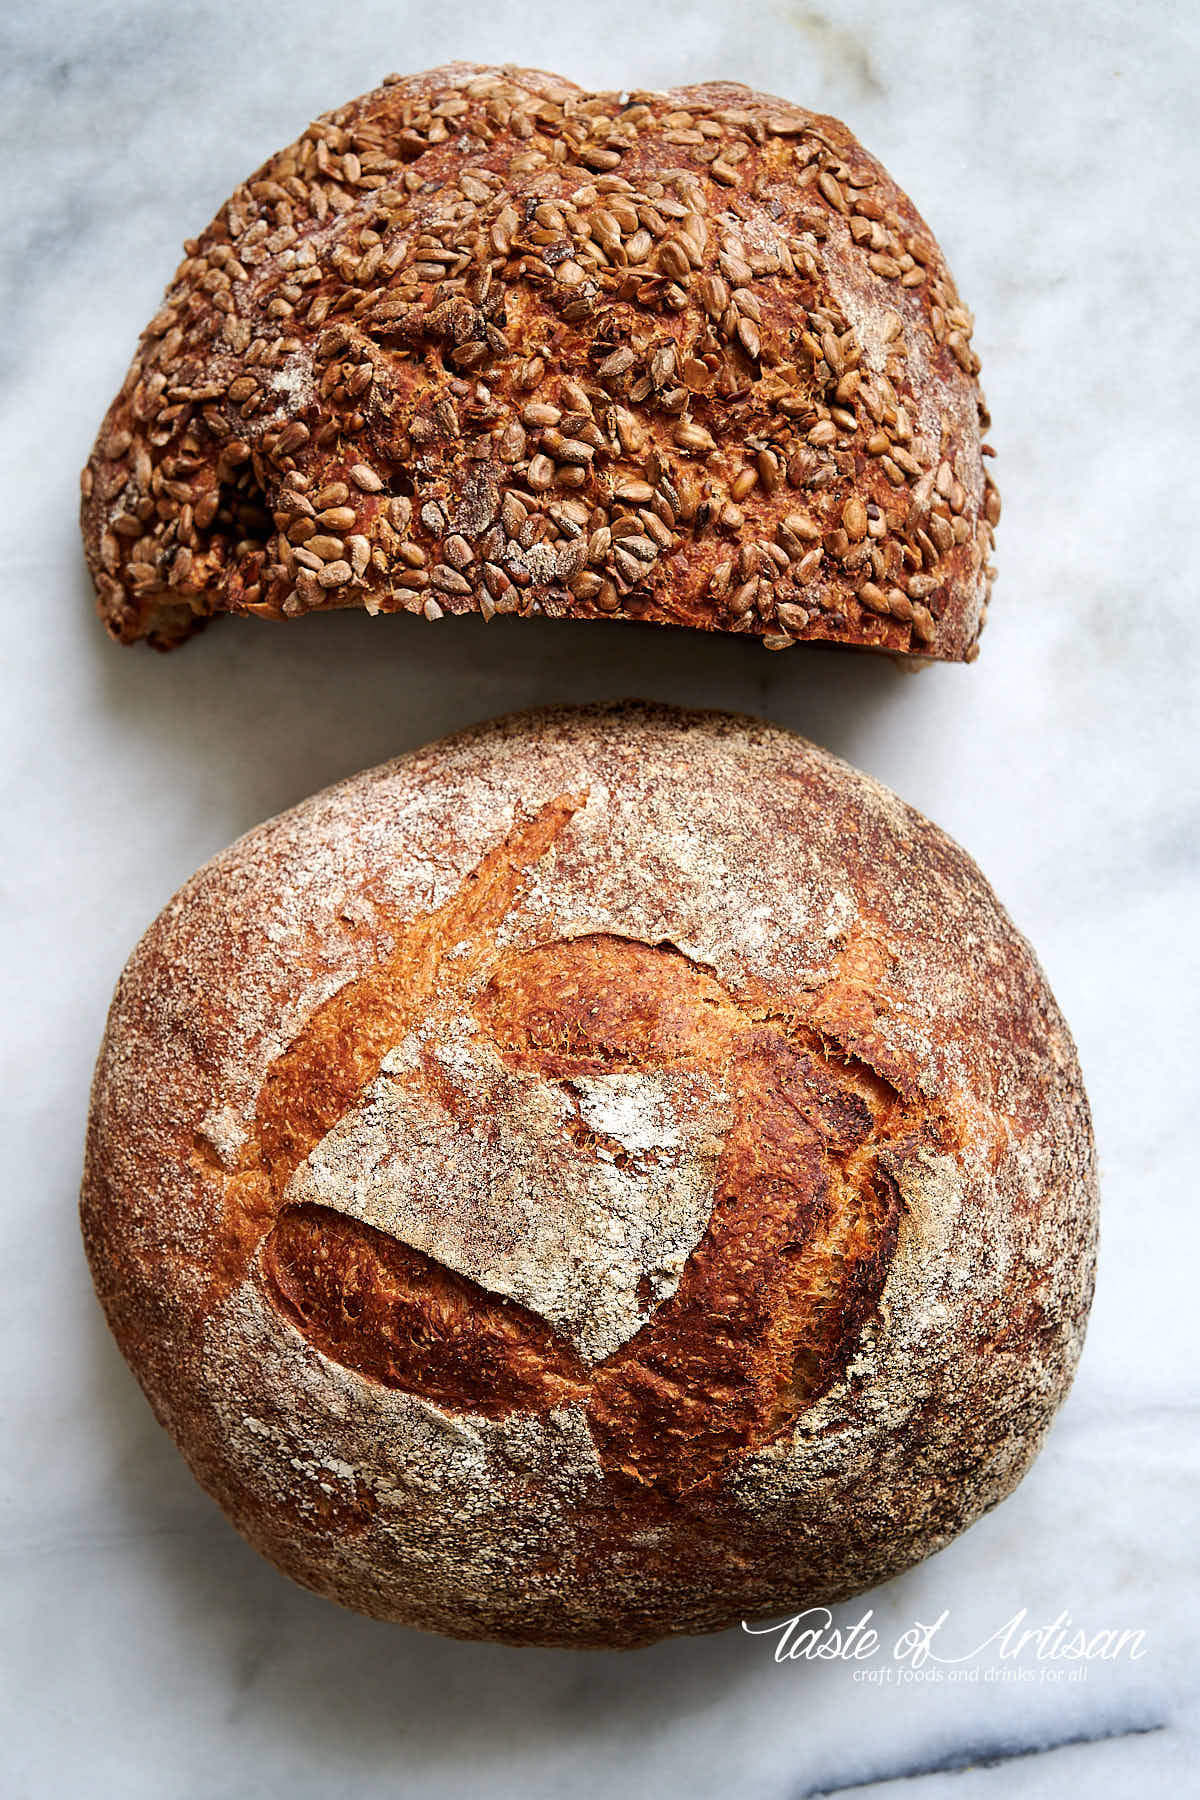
x=608, y=1174
x=481, y=341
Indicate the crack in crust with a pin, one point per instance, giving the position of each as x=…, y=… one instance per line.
x=399, y=1317
x=335, y=1058
x=776, y=1293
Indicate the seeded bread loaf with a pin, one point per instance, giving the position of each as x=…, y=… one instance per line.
x=605, y=1175
x=482, y=341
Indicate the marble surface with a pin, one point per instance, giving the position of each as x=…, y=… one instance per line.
x=147, y=1651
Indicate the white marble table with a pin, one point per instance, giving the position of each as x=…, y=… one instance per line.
x=147, y=1651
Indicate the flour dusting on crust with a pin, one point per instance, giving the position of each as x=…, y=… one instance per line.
x=802, y=895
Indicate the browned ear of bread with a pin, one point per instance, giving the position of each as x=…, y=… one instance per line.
x=605, y=1175
x=482, y=341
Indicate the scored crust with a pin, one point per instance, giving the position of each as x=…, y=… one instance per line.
x=607, y=1174
x=482, y=341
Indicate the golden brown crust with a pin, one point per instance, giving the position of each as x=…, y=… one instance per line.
x=482, y=341
x=775, y=1294
x=401, y=1318
x=609, y=1173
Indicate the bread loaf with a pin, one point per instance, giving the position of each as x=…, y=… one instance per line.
x=481, y=341
x=608, y=1174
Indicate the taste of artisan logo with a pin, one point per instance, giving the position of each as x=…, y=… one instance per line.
x=1058, y=1650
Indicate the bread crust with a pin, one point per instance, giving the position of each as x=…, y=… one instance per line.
x=604, y=1041
x=483, y=341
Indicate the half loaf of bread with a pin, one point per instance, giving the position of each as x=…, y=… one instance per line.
x=481, y=341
